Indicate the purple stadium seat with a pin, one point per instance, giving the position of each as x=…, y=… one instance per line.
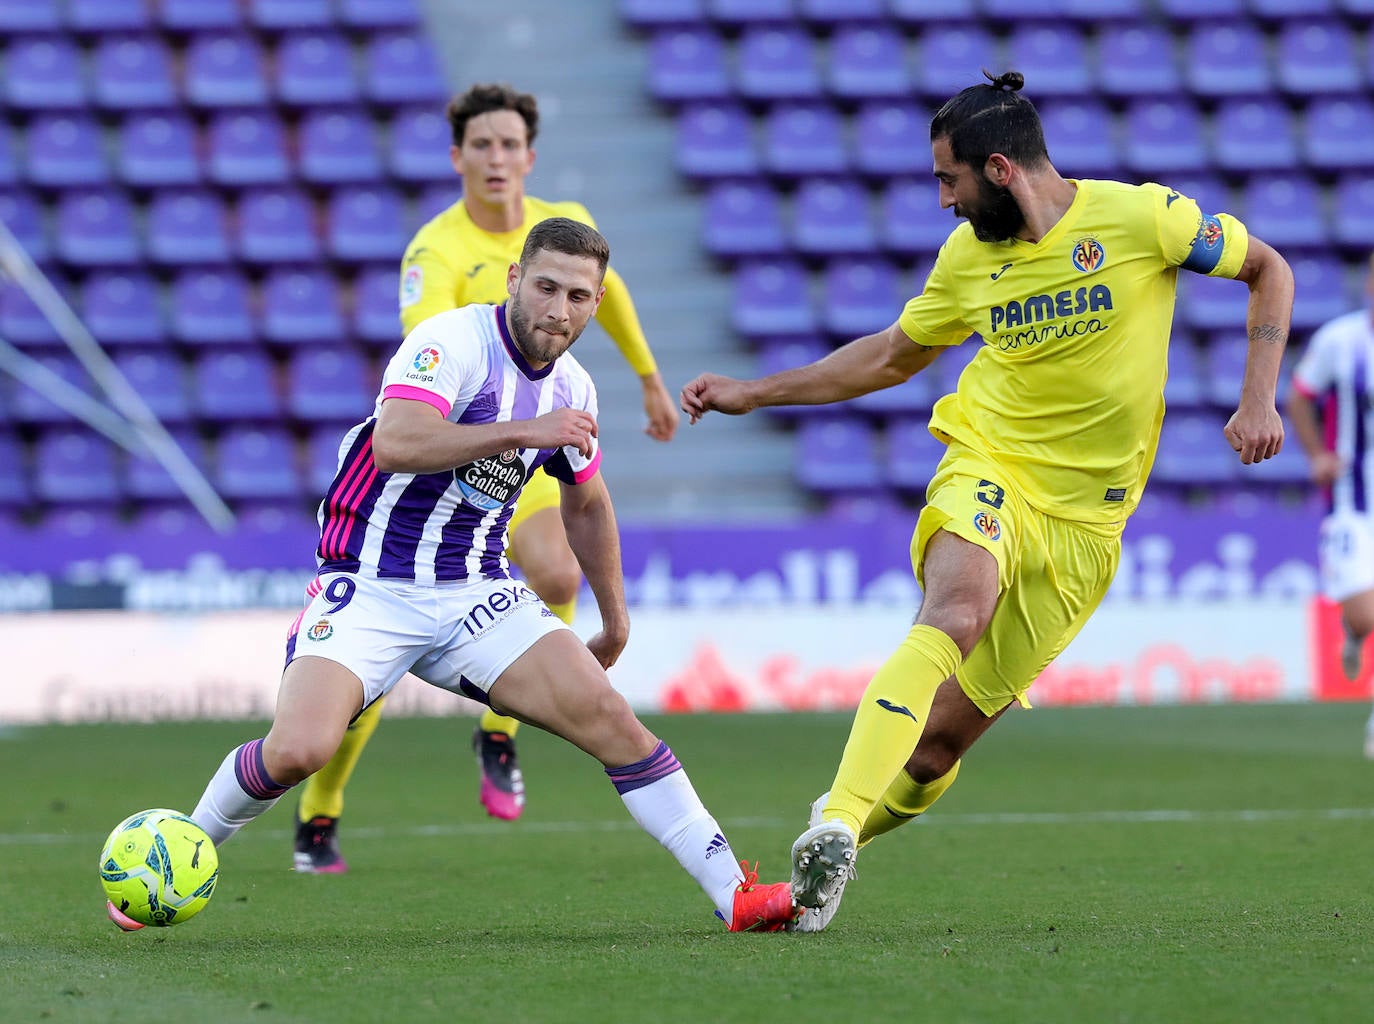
x=1226, y=58
x=322, y=455
x=338, y=147
x=123, y=308
x=868, y=62
x=288, y=15
x=838, y=455
x=1023, y=10
x=913, y=453
x=743, y=219
x=859, y=297
x=688, y=64
x=771, y=298
x=1105, y=10
x=96, y=229
x=1320, y=292
x=301, y=307
x=1317, y=57
x=21, y=322
x=418, y=145
x=9, y=158
x=912, y=222
x=159, y=377
x=131, y=73
x=23, y=215
x=210, y=307
x=1186, y=386
x=256, y=463
x=840, y=13
x=157, y=149
x=1226, y=355
x=832, y=218
x=1206, y=189
x=376, y=307
x=225, y=70
x=714, y=140
x=402, y=68
x=923, y=12
x=371, y=14
x=802, y=139
x=19, y=16
x=199, y=15
x=15, y=489
x=30, y=405
x=1193, y=452
x=891, y=138
x=654, y=14
x=949, y=364
x=234, y=384
x=246, y=148
x=65, y=151
x=744, y=12
x=1253, y=134
x=950, y=59
x=145, y=479
x=1053, y=58
x=365, y=223
x=1338, y=134
x=775, y=62
x=1191, y=10
x=74, y=467
x=913, y=398
x=1285, y=210
x=787, y=354
x=1353, y=223
x=329, y=383
x=1162, y=137
x=44, y=73
x=187, y=227
x=315, y=68
x=98, y=16
x=277, y=226
x=1210, y=303
x=1275, y=9
x=1137, y=59
x=1081, y=137
x=1290, y=469
x=431, y=201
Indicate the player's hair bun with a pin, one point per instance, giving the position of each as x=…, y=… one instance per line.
x=1012, y=81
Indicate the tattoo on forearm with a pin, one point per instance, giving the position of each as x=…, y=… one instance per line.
x=1271, y=333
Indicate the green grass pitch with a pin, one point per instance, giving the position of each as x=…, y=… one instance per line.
x=1182, y=865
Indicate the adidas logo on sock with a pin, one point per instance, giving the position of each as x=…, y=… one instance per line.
x=716, y=845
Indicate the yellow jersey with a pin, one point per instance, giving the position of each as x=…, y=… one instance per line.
x=451, y=262
x=1066, y=393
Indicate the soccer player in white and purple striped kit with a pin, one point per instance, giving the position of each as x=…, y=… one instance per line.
x=1334, y=384
x=412, y=575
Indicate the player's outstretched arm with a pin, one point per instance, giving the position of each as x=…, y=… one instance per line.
x=870, y=363
x=1255, y=430
x=414, y=437
x=589, y=521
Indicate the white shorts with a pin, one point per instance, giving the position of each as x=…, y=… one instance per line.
x=459, y=636
x=1347, y=554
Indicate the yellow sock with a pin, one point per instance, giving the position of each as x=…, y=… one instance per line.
x=323, y=793
x=491, y=721
x=888, y=723
x=904, y=800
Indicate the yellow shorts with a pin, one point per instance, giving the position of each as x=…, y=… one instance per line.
x=1052, y=574
x=541, y=491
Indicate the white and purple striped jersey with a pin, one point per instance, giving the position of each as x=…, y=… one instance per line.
x=1337, y=373
x=435, y=527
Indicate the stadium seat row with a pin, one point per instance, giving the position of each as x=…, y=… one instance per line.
x=105, y=16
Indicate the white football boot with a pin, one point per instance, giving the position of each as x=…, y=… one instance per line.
x=822, y=864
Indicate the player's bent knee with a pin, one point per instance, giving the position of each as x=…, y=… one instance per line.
x=290, y=762
x=555, y=583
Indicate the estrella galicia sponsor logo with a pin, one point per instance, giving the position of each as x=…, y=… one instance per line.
x=424, y=365
x=321, y=630
x=987, y=524
x=496, y=607
x=1088, y=255
x=1030, y=321
x=718, y=844
x=493, y=480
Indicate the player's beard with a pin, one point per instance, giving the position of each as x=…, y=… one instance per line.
x=537, y=348
x=997, y=217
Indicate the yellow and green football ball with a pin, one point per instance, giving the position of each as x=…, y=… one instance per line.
x=158, y=868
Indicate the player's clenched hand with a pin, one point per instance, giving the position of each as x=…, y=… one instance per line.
x=1326, y=468
x=607, y=645
x=658, y=406
x=712, y=391
x=564, y=428
x=1256, y=432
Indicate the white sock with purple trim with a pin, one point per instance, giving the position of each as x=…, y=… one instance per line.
x=237, y=793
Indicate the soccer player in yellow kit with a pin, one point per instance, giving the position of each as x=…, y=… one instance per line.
x=461, y=257
x=1050, y=436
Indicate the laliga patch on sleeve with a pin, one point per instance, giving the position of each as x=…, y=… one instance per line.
x=412, y=282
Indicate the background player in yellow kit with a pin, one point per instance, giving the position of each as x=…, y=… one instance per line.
x=1051, y=434
x=460, y=257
